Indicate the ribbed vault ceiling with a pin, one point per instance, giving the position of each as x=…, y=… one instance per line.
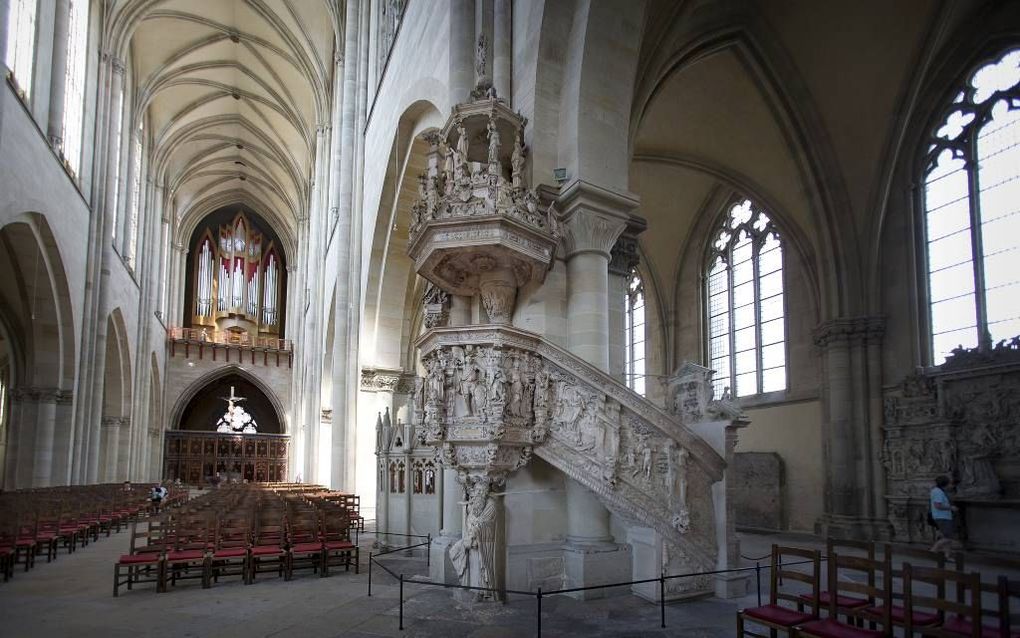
x=233, y=91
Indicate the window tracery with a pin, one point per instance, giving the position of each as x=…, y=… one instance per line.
x=744, y=292
x=970, y=191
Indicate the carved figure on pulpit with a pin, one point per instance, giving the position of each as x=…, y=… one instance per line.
x=461, y=151
x=469, y=387
x=474, y=555
x=517, y=403
x=646, y=462
x=517, y=163
x=448, y=169
x=494, y=143
x=497, y=386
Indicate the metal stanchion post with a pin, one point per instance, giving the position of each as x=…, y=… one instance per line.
x=401, y=602
x=428, y=556
x=757, y=578
x=370, y=573
x=662, y=597
x=539, y=612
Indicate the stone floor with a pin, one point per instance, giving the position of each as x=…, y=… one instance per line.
x=73, y=597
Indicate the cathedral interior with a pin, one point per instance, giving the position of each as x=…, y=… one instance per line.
x=575, y=292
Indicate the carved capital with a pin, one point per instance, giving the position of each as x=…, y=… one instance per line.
x=844, y=330
x=592, y=217
x=380, y=379
x=117, y=65
x=624, y=256
x=42, y=395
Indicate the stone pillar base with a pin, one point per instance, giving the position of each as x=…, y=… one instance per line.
x=441, y=568
x=596, y=564
x=854, y=527
x=733, y=585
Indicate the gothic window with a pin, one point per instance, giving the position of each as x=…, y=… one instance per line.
x=20, y=54
x=634, y=334
x=972, y=221
x=744, y=289
x=74, y=83
x=136, y=197
x=116, y=165
x=393, y=477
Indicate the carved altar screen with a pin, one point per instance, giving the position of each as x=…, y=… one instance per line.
x=744, y=291
x=972, y=229
x=193, y=457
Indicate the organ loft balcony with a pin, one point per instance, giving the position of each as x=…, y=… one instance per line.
x=229, y=346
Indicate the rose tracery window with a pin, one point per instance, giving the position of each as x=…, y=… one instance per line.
x=744, y=291
x=634, y=335
x=971, y=190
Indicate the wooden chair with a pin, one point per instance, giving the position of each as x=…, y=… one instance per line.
x=336, y=538
x=917, y=556
x=231, y=552
x=865, y=549
x=138, y=564
x=306, y=547
x=269, y=544
x=774, y=615
x=965, y=606
x=192, y=540
x=831, y=627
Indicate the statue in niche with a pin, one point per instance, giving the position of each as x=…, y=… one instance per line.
x=469, y=384
x=646, y=462
x=461, y=153
x=517, y=163
x=497, y=385
x=494, y=143
x=448, y=169
x=516, y=389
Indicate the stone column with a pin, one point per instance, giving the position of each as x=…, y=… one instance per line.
x=502, y=49
x=5, y=7
x=593, y=218
x=45, y=424
x=852, y=437
x=462, y=48
x=58, y=73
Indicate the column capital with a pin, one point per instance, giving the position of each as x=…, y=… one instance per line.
x=117, y=65
x=592, y=217
x=844, y=329
x=624, y=256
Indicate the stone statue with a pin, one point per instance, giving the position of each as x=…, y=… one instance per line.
x=517, y=163
x=516, y=390
x=494, y=143
x=480, y=54
x=461, y=152
x=474, y=555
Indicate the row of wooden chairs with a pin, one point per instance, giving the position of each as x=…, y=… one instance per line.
x=42, y=520
x=239, y=531
x=868, y=596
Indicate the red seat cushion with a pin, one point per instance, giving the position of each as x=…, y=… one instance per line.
x=899, y=615
x=964, y=627
x=265, y=550
x=25, y=542
x=841, y=601
x=185, y=554
x=339, y=545
x=778, y=615
x=306, y=548
x=230, y=552
x=830, y=628
x=128, y=559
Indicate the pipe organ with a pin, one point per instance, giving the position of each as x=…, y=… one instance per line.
x=237, y=279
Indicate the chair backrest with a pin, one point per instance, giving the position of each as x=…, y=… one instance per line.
x=804, y=572
x=850, y=547
x=966, y=604
x=878, y=596
x=916, y=556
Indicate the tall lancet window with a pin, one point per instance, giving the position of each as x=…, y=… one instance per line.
x=634, y=334
x=972, y=216
x=74, y=83
x=20, y=54
x=744, y=289
x=136, y=198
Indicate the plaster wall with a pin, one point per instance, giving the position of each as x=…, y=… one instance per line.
x=794, y=431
